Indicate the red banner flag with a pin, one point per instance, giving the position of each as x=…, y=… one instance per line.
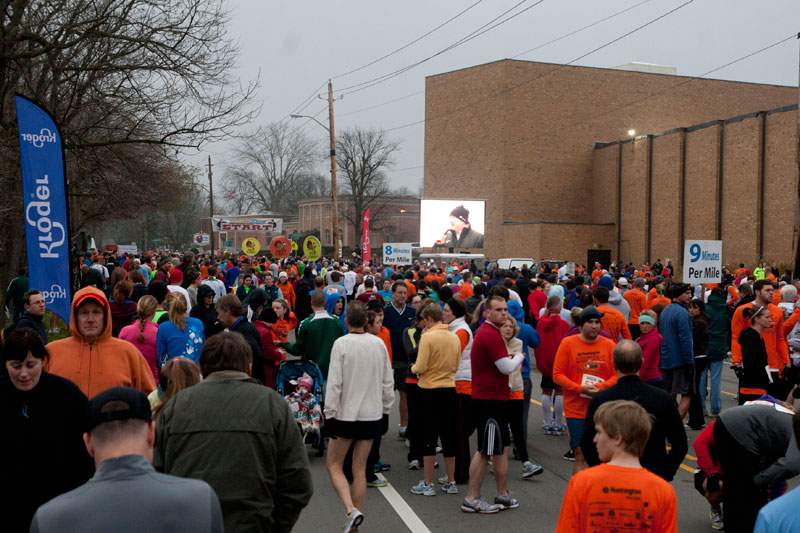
x=366, y=252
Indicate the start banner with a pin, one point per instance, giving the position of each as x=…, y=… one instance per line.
x=254, y=224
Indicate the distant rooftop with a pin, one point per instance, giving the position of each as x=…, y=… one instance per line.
x=650, y=68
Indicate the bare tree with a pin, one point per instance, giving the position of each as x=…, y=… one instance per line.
x=124, y=79
x=362, y=155
x=275, y=163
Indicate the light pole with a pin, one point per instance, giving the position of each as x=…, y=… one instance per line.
x=334, y=193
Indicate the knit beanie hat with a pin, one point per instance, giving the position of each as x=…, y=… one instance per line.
x=305, y=381
x=607, y=282
x=175, y=276
x=460, y=212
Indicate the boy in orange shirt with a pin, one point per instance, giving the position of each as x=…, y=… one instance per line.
x=613, y=321
x=619, y=494
x=584, y=365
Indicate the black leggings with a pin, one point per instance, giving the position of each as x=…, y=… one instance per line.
x=439, y=420
x=516, y=412
x=413, y=433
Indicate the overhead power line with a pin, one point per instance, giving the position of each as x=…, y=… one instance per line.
x=570, y=34
x=547, y=73
x=552, y=41
x=472, y=35
x=440, y=26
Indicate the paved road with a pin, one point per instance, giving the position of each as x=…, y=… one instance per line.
x=395, y=509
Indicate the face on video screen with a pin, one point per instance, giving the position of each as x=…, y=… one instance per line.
x=452, y=223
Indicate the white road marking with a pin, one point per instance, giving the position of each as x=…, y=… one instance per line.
x=403, y=510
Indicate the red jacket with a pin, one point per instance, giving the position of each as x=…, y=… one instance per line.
x=271, y=353
x=551, y=330
x=536, y=300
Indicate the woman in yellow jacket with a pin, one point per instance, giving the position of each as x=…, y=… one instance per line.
x=437, y=362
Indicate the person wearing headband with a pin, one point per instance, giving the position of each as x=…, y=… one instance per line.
x=754, y=378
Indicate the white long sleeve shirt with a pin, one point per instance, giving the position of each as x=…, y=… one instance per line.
x=360, y=379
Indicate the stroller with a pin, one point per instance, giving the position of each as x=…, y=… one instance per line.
x=289, y=372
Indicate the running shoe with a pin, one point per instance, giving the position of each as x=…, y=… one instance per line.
x=442, y=479
x=354, y=520
x=450, y=488
x=401, y=433
x=713, y=415
x=548, y=430
x=378, y=482
x=569, y=456
x=423, y=489
x=506, y=501
x=716, y=519
x=413, y=465
x=559, y=430
x=529, y=470
x=479, y=505
x=380, y=466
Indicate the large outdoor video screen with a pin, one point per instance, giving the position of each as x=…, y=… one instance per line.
x=452, y=223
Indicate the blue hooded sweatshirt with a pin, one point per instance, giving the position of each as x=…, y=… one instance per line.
x=330, y=304
x=526, y=334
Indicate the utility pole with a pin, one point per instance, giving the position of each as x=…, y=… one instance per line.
x=334, y=192
x=796, y=233
x=211, y=208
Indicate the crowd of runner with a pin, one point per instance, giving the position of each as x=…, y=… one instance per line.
x=199, y=405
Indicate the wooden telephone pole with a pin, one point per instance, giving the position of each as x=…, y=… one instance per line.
x=211, y=208
x=334, y=192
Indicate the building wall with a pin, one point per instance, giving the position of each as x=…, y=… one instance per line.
x=740, y=141
x=398, y=220
x=521, y=135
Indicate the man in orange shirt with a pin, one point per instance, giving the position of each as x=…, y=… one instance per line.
x=774, y=339
x=583, y=366
x=637, y=300
x=597, y=272
x=613, y=321
x=466, y=289
x=619, y=493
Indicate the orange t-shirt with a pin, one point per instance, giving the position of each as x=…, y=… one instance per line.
x=652, y=295
x=637, y=300
x=412, y=290
x=618, y=498
x=576, y=358
x=466, y=291
x=387, y=340
x=280, y=331
x=596, y=274
x=658, y=300
x=614, y=323
x=288, y=293
x=774, y=339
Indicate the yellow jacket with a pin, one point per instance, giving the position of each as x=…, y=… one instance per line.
x=438, y=358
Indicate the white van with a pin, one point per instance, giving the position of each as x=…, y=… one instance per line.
x=507, y=263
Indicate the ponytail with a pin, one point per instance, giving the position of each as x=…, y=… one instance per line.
x=146, y=308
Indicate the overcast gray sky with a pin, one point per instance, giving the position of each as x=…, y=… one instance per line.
x=298, y=45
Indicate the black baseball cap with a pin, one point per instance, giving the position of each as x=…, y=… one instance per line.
x=137, y=402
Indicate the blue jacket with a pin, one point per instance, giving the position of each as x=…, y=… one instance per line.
x=172, y=342
x=526, y=334
x=33, y=322
x=676, y=328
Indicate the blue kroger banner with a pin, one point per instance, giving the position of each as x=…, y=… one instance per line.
x=43, y=190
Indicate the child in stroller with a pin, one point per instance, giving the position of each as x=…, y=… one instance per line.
x=306, y=409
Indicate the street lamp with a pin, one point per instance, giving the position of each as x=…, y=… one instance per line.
x=334, y=193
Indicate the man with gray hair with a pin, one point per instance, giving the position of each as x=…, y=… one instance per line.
x=240, y=437
x=667, y=424
x=126, y=493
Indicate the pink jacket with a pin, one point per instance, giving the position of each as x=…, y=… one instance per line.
x=651, y=355
x=148, y=347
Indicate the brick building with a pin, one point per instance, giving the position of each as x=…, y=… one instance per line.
x=393, y=219
x=522, y=135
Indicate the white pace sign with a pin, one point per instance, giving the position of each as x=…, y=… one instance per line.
x=397, y=253
x=702, y=261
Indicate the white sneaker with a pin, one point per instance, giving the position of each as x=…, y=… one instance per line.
x=716, y=519
x=413, y=465
x=354, y=519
